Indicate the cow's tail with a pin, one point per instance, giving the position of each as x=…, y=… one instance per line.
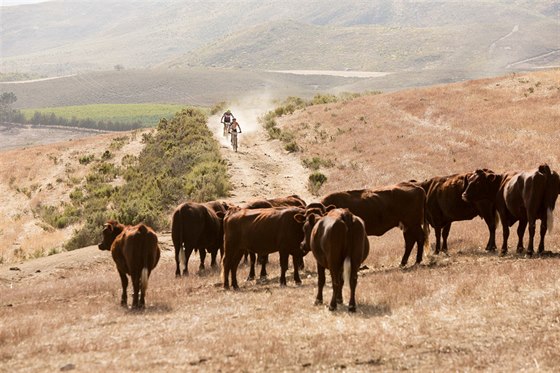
x=549, y=220
x=426, y=228
x=177, y=237
x=346, y=270
x=144, y=274
x=182, y=257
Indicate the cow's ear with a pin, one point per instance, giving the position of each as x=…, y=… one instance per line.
x=220, y=214
x=492, y=177
x=329, y=208
x=311, y=218
x=108, y=227
x=300, y=218
x=479, y=171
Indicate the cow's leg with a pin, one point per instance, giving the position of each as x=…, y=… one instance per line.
x=491, y=224
x=408, y=245
x=202, y=253
x=505, y=234
x=263, y=261
x=124, y=283
x=188, y=252
x=226, y=270
x=213, y=256
x=296, y=260
x=336, y=277
x=543, y=232
x=252, y=257
x=446, y=229
x=177, y=260
x=320, y=284
x=419, y=234
x=437, y=231
x=339, y=299
x=532, y=228
x=353, y=283
x=136, y=287
x=520, y=233
x=235, y=263
x=284, y=257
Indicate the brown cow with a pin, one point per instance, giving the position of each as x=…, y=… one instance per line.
x=339, y=243
x=519, y=196
x=262, y=231
x=401, y=205
x=196, y=226
x=446, y=205
x=292, y=200
x=136, y=253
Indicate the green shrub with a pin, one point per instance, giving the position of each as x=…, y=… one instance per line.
x=316, y=180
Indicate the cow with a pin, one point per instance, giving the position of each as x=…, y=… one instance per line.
x=262, y=231
x=445, y=205
x=292, y=200
x=136, y=253
x=401, y=205
x=196, y=226
x=519, y=196
x=339, y=243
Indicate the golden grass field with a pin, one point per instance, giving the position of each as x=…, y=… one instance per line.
x=469, y=311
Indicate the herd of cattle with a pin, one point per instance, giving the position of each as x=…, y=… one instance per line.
x=336, y=228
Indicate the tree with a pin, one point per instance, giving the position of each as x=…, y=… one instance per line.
x=6, y=101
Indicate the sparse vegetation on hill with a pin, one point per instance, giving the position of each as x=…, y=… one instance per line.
x=180, y=161
x=416, y=134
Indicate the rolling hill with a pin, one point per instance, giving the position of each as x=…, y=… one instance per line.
x=62, y=37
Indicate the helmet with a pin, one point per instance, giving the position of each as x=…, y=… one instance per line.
x=228, y=111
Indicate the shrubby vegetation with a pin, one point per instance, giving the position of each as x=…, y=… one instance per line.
x=180, y=161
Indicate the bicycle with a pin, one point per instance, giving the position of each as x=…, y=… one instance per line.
x=227, y=125
x=234, y=139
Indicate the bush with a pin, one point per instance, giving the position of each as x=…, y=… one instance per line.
x=316, y=180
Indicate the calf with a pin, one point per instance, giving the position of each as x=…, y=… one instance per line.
x=136, y=253
x=519, y=196
x=339, y=243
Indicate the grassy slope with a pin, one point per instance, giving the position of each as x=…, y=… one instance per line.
x=501, y=123
x=468, y=311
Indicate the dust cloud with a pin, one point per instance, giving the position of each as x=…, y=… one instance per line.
x=247, y=111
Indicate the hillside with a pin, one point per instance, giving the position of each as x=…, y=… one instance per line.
x=469, y=310
x=388, y=35
x=504, y=123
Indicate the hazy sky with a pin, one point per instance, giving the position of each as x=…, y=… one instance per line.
x=19, y=2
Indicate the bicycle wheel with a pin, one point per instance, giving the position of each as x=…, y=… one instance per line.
x=234, y=141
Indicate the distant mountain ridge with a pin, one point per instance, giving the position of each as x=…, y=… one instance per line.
x=61, y=37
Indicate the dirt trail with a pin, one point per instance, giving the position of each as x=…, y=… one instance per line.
x=260, y=169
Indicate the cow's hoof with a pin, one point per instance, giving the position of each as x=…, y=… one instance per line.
x=339, y=301
x=250, y=278
x=298, y=283
x=332, y=308
x=529, y=254
x=351, y=308
x=503, y=253
x=283, y=285
x=318, y=302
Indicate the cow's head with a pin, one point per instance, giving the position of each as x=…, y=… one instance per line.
x=308, y=220
x=478, y=185
x=111, y=230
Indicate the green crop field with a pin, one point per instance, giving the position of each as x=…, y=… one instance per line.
x=147, y=114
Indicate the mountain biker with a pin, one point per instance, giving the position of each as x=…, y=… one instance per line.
x=227, y=119
x=234, y=129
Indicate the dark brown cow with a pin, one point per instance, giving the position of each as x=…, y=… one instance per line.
x=262, y=231
x=339, y=243
x=519, y=196
x=292, y=200
x=401, y=205
x=136, y=253
x=196, y=226
x=446, y=205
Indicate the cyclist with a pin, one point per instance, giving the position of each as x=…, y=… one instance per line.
x=227, y=119
x=234, y=129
